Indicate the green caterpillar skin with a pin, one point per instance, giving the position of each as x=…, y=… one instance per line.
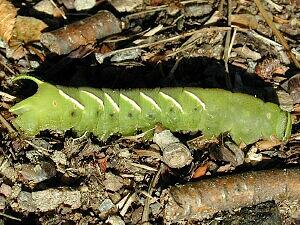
x=105, y=112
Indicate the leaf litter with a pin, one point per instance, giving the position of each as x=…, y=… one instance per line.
x=244, y=46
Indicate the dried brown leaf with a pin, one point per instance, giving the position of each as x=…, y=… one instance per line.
x=47, y=7
x=28, y=29
x=8, y=18
x=245, y=20
x=200, y=171
x=267, y=144
x=17, y=51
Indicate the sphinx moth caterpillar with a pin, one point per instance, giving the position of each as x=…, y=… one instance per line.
x=104, y=112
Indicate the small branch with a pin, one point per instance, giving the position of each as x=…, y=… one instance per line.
x=154, y=181
x=6, y=124
x=202, y=199
x=10, y=217
x=227, y=43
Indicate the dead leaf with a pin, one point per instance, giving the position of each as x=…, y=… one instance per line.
x=200, y=171
x=16, y=51
x=8, y=18
x=245, y=20
x=28, y=29
x=246, y=52
x=47, y=7
x=267, y=144
x=294, y=87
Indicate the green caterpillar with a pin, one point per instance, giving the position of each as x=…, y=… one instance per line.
x=105, y=112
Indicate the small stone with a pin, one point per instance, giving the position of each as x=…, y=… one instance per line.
x=156, y=208
x=5, y=190
x=25, y=202
x=197, y=10
x=2, y=202
x=106, y=208
x=47, y=7
x=113, y=182
x=106, y=205
x=84, y=4
x=37, y=173
x=125, y=154
x=59, y=158
x=164, y=138
x=115, y=220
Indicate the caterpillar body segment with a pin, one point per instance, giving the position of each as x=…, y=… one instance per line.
x=105, y=112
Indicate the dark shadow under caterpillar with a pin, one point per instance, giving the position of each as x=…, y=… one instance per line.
x=104, y=112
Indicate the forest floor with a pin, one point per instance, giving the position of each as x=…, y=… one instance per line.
x=60, y=177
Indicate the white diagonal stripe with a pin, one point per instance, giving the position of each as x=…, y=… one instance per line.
x=172, y=100
x=112, y=102
x=133, y=103
x=150, y=100
x=69, y=98
x=130, y=101
x=94, y=97
x=192, y=95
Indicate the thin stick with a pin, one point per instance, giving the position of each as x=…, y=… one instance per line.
x=10, y=217
x=8, y=126
x=154, y=181
x=59, y=10
x=227, y=43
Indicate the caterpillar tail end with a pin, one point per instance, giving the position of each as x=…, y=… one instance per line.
x=46, y=109
x=27, y=77
x=25, y=120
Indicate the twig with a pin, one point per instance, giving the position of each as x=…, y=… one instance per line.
x=122, y=202
x=274, y=5
x=276, y=32
x=40, y=149
x=199, y=200
x=232, y=40
x=10, y=129
x=227, y=43
x=154, y=181
x=128, y=203
x=10, y=217
x=9, y=69
x=80, y=33
x=7, y=96
x=221, y=6
x=59, y=10
x=259, y=36
x=143, y=167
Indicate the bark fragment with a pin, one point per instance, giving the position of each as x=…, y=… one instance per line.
x=175, y=153
x=68, y=38
x=203, y=199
